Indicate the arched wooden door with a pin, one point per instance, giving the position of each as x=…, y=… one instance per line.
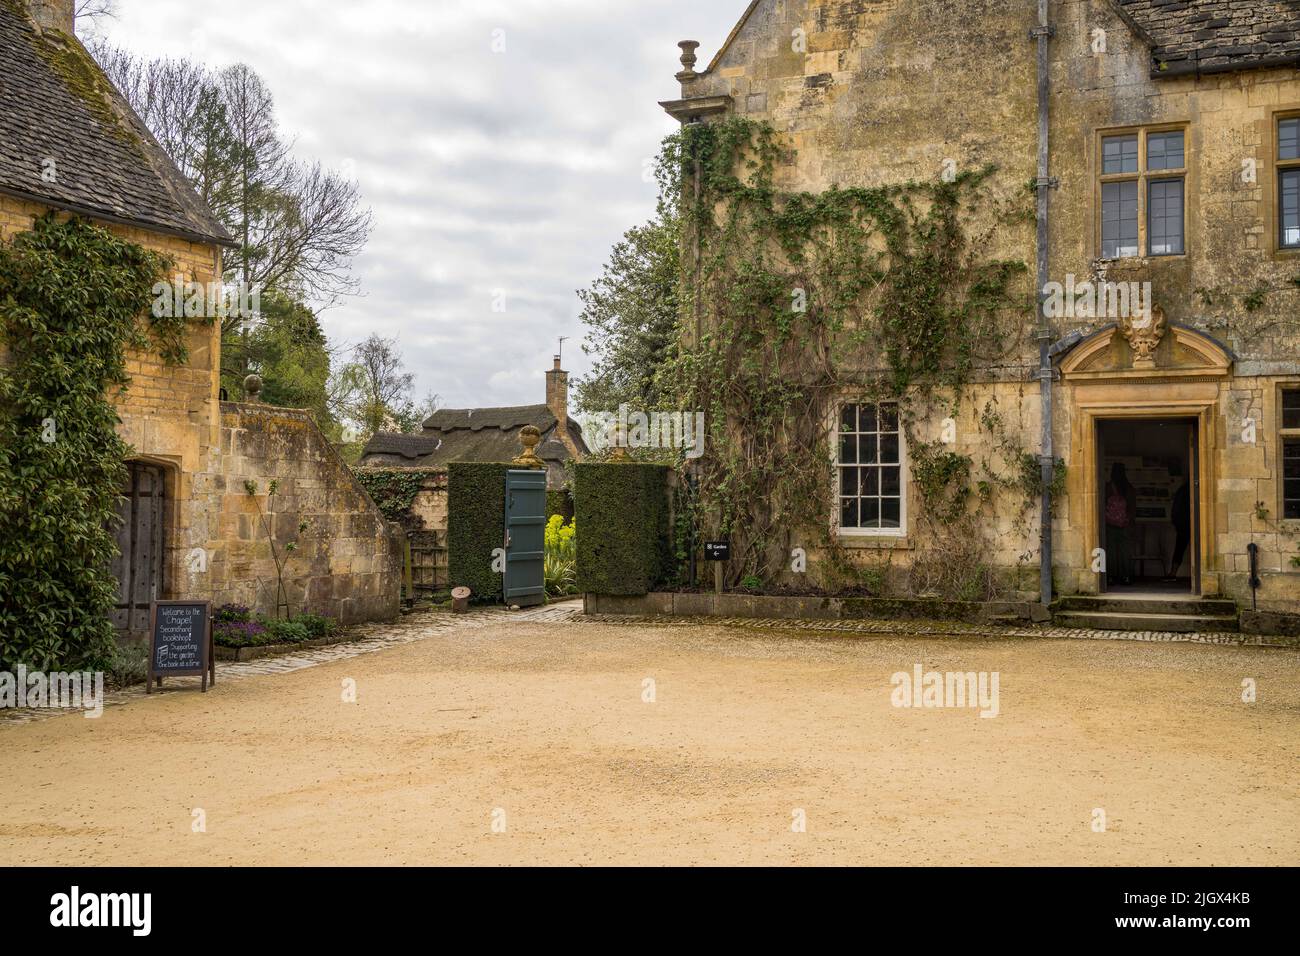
x=138, y=567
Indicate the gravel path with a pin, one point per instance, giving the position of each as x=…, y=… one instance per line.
x=546, y=737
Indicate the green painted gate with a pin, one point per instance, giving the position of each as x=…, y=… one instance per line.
x=525, y=575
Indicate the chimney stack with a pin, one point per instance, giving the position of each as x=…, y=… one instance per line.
x=52, y=14
x=557, y=395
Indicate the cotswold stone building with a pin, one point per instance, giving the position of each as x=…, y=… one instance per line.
x=488, y=434
x=189, y=527
x=1170, y=138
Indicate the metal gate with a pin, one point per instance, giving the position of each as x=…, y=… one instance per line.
x=525, y=576
x=138, y=566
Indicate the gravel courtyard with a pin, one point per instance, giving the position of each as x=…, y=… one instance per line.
x=522, y=742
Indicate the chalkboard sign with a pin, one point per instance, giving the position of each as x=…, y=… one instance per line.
x=717, y=551
x=180, y=642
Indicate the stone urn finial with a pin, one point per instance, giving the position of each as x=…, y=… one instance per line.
x=530, y=438
x=252, y=387
x=688, y=48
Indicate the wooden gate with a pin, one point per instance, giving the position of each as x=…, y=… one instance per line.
x=428, y=564
x=140, y=543
x=525, y=577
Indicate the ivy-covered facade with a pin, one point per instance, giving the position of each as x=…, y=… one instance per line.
x=868, y=321
x=125, y=475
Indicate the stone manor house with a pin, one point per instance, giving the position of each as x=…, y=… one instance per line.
x=1171, y=138
x=189, y=526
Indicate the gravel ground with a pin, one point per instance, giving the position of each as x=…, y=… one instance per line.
x=519, y=742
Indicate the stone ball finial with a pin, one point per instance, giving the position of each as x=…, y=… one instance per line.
x=252, y=387
x=530, y=438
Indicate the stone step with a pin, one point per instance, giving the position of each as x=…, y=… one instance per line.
x=1127, y=621
x=1193, y=606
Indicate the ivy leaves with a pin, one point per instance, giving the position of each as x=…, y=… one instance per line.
x=804, y=299
x=72, y=298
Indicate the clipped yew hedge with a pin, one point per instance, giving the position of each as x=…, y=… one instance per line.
x=476, y=524
x=621, y=512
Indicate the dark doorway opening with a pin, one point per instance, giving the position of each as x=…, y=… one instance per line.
x=1148, y=515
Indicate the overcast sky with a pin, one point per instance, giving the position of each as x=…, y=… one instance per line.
x=486, y=172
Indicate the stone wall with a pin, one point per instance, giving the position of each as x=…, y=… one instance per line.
x=346, y=560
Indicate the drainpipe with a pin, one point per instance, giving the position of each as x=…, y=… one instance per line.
x=1043, y=34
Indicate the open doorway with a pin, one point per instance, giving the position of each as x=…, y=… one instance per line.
x=1148, y=515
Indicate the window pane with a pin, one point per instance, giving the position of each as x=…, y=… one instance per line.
x=870, y=517
x=1165, y=151
x=849, y=513
x=867, y=418
x=870, y=480
x=867, y=449
x=890, y=481
x=888, y=418
x=848, y=418
x=889, y=513
x=1290, y=207
x=1165, y=208
x=1119, y=154
x=1119, y=220
x=1288, y=139
x=848, y=449
x=889, y=449
x=1291, y=479
x=849, y=482
x=1291, y=409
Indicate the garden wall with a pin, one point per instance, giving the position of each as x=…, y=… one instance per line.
x=341, y=557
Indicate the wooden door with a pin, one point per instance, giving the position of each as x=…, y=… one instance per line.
x=138, y=566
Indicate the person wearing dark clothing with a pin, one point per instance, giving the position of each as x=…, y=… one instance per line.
x=1181, y=516
x=1121, y=512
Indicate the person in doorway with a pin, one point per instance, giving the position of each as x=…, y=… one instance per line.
x=1180, y=515
x=1121, y=511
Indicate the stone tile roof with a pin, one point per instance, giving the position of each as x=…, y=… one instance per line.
x=472, y=434
x=56, y=104
x=1213, y=36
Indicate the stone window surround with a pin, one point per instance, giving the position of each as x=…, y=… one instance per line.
x=869, y=537
x=1284, y=434
x=1274, y=180
x=1144, y=177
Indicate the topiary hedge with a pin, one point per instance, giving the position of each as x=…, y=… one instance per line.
x=559, y=503
x=476, y=524
x=622, y=521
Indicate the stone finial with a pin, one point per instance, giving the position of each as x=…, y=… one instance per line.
x=688, y=48
x=530, y=438
x=252, y=387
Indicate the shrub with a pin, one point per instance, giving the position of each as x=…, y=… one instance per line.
x=560, y=560
x=287, y=632
x=129, y=665
x=476, y=520
x=622, y=509
x=230, y=613
x=240, y=633
x=317, y=625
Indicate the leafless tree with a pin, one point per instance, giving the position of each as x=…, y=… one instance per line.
x=89, y=15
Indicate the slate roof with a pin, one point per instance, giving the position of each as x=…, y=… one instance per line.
x=472, y=434
x=1215, y=36
x=56, y=103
